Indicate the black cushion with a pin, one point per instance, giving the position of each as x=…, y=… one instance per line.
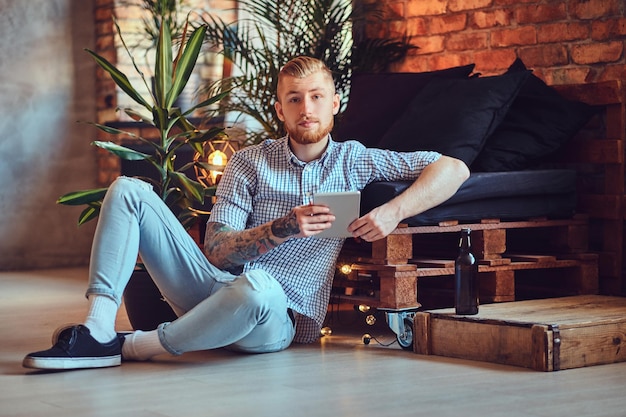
x=507, y=195
x=454, y=116
x=538, y=123
x=377, y=100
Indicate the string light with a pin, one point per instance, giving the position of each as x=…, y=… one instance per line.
x=345, y=269
x=367, y=338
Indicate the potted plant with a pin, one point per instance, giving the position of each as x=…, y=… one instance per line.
x=174, y=130
x=271, y=32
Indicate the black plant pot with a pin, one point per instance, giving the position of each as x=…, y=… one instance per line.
x=144, y=303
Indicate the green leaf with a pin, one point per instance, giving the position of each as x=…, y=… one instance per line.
x=184, y=66
x=122, y=151
x=77, y=198
x=137, y=116
x=190, y=187
x=120, y=78
x=207, y=135
x=163, y=66
x=111, y=130
x=88, y=214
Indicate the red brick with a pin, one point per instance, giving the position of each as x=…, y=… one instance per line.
x=447, y=23
x=525, y=35
x=537, y=13
x=414, y=64
x=494, y=60
x=102, y=14
x=462, y=5
x=443, y=61
x=593, y=9
x=597, y=52
x=104, y=28
x=560, y=32
x=568, y=75
x=512, y=2
x=544, y=55
x=429, y=44
x=489, y=19
x=417, y=26
x=396, y=10
x=608, y=29
x=613, y=72
x=467, y=41
x=397, y=28
x=426, y=8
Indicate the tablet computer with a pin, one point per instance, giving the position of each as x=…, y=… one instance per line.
x=345, y=206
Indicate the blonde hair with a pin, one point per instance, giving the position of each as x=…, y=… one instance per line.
x=303, y=66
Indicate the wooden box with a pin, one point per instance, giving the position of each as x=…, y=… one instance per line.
x=545, y=335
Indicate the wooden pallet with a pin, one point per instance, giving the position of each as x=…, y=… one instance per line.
x=397, y=266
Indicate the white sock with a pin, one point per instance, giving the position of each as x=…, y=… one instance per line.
x=141, y=346
x=101, y=318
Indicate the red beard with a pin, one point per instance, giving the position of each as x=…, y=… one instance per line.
x=310, y=136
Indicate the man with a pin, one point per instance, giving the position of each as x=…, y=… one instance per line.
x=264, y=281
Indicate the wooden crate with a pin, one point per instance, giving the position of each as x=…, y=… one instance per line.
x=545, y=335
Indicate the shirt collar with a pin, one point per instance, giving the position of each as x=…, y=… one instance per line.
x=293, y=159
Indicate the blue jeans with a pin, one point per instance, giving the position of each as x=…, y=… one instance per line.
x=215, y=308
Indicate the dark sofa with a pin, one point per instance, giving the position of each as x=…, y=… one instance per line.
x=505, y=128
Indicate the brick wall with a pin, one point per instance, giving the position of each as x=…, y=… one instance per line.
x=564, y=41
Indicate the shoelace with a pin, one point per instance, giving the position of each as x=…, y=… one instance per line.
x=67, y=338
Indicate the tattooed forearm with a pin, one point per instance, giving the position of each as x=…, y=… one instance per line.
x=285, y=226
x=227, y=248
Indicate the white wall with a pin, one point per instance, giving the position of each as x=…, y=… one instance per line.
x=46, y=85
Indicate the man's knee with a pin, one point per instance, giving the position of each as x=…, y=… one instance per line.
x=257, y=289
x=123, y=185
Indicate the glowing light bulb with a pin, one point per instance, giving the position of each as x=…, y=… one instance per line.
x=363, y=308
x=371, y=320
x=219, y=159
x=326, y=331
x=345, y=269
x=367, y=338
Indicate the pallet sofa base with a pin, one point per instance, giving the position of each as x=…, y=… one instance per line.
x=389, y=273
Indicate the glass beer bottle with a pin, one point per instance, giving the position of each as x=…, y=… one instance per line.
x=465, y=278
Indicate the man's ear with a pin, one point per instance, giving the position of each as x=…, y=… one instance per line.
x=336, y=104
x=279, y=111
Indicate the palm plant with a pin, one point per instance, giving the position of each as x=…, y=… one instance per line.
x=274, y=31
x=175, y=130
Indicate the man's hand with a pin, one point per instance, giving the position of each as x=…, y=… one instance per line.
x=303, y=221
x=375, y=225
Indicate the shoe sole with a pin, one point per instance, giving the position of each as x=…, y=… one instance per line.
x=72, y=363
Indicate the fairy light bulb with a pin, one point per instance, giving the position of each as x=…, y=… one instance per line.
x=345, y=269
x=366, y=339
x=364, y=308
x=326, y=331
x=370, y=319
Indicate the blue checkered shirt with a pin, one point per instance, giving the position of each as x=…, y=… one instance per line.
x=265, y=181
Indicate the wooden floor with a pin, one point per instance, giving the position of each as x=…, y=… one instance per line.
x=339, y=376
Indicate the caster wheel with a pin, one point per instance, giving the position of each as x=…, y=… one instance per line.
x=405, y=339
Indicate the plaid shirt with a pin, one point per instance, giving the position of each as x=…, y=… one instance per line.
x=264, y=182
